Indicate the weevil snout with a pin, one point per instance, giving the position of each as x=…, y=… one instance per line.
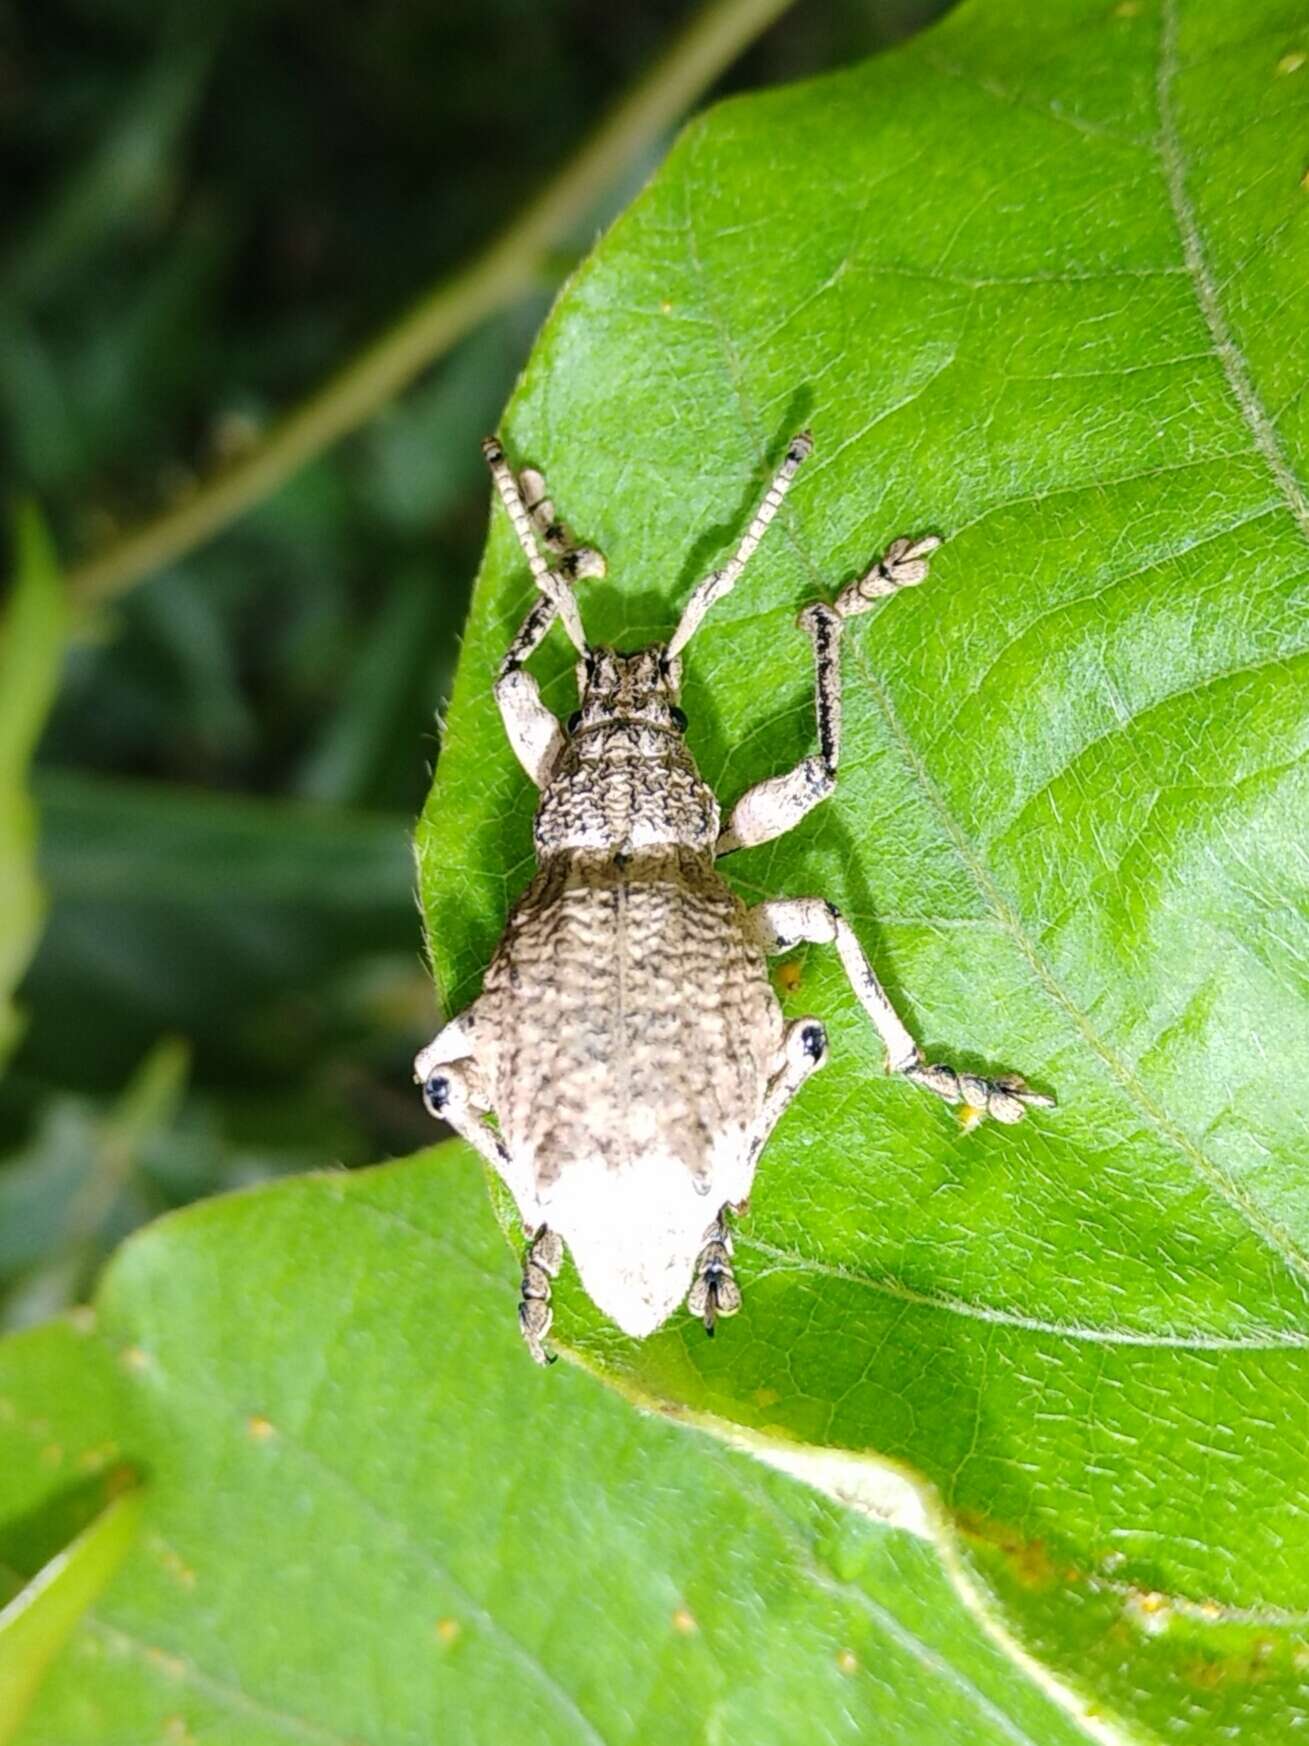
x=641, y=687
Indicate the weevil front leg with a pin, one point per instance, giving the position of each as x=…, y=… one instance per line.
x=775, y=806
x=574, y=562
x=715, y=1292
x=532, y=730
x=786, y=922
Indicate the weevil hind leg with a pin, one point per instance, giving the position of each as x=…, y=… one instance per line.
x=804, y=1051
x=714, y=1292
x=541, y=1264
x=453, y=1092
x=786, y=922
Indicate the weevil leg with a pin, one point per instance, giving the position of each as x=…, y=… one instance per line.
x=453, y=1092
x=771, y=808
x=721, y=582
x=775, y=806
x=786, y=922
x=531, y=729
x=541, y=1264
x=804, y=1051
x=903, y=564
x=575, y=562
x=548, y=581
x=452, y=1088
x=715, y=1292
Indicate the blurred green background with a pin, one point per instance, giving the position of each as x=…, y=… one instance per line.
x=207, y=210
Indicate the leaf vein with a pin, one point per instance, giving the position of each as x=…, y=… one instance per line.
x=1234, y=365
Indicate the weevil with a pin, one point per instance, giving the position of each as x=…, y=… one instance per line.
x=627, y=1058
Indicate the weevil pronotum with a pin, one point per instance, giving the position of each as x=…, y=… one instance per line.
x=627, y=1045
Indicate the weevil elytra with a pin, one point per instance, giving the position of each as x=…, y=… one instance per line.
x=627, y=1046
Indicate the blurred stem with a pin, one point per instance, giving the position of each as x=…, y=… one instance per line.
x=503, y=272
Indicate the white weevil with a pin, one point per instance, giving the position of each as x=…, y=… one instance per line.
x=627, y=1042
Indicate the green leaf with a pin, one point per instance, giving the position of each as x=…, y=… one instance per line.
x=370, y=1518
x=126, y=170
x=31, y=650
x=1039, y=281
x=230, y=921
x=39, y=1620
x=76, y=1189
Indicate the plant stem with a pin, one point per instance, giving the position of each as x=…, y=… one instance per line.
x=509, y=266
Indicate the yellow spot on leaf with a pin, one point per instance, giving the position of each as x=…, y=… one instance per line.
x=684, y=1622
x=1127, y=8
x=122, y=1478
x=1291, y=63
x=260, y=1428
x=448, y=1630
x=175, y=1729
x=789, y=977
x=52, y=1454
x=97, y=1457
x=968, y=1116
x=1150, y=1610
x=848, y=1662
x=177, y=1567
x=133, y=1358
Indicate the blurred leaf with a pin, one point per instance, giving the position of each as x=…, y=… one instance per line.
x=31, y=648
x=39, y=420
x=128, y=167
x=420, y=458
x=370, y=1518
x=39, y=1620
x=75, y=1191
x=223, y=920
x=1040, y=281
x=349, y=759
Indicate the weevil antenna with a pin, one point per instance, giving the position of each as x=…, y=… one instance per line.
x=722, y=581
x=548, y=581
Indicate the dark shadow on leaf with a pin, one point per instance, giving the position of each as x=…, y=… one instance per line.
x=29, y=1540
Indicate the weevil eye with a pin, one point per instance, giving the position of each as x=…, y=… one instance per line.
x=679, y=718
x=436, y=1094
x=574, y=721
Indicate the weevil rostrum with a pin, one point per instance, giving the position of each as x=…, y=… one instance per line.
x=627, y=1058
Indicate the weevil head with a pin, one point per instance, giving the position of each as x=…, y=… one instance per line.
x=642, y=687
